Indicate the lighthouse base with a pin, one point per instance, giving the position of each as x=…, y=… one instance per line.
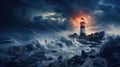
x=82, y=35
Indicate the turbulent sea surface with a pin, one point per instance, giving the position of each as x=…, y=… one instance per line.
x=64, y=51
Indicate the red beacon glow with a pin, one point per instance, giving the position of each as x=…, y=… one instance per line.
x=82, y=19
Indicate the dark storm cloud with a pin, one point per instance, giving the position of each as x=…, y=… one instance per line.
x=69, y=7
x=66, y=7
x=15, y=12
x=110, y=12
x=10, y=8
x=15, y=15
x=50, y=25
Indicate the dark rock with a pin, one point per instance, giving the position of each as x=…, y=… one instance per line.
x=76, y=60
x=96, y=37
x=111, y=51
x=84, y=54
x=73, y=35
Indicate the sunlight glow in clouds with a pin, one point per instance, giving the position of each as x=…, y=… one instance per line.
x=51, y=16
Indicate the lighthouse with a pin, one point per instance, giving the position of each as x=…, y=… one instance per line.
x=82, y=27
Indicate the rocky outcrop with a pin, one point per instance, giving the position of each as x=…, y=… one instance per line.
x=111, y=51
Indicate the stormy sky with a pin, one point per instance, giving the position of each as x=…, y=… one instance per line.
x=54, y=15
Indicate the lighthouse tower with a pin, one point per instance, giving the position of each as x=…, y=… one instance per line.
x=82, y=27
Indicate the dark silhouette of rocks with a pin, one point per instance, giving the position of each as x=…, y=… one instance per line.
x=74, y=35
x=76, y=60
x=81, y=61
x=96, y=37
x=84, y=54
x=111, y=51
